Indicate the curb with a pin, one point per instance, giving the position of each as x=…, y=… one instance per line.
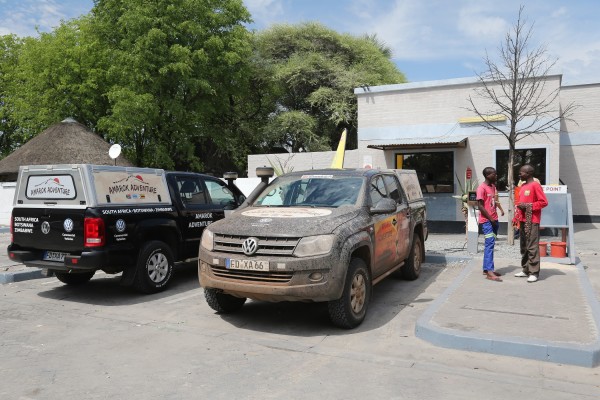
x=564, y=353
x=10, y=277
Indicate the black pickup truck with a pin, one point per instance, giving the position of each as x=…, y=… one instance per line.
x=72, y=220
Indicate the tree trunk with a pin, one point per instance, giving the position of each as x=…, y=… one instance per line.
x=511, y=192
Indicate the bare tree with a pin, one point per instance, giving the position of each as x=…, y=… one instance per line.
x=515, y=87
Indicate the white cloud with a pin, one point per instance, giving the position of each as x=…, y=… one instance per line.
x=477, y=25
x=265, y=12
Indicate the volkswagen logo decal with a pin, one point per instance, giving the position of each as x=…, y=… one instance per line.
x=45, y=227
x=250, y=246
x=68, y=225
x=120, y=225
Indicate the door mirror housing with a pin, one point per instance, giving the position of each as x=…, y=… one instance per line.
x=384, y=206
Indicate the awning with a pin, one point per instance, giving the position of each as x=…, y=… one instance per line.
x=422, y=143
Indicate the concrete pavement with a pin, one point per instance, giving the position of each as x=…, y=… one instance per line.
x=556, y=319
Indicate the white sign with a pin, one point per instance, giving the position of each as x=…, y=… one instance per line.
x=123, y=187
x=554, y=188
x=50, y=187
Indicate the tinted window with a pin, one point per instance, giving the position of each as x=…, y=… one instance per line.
x=393, y=188
x=377, y=190
x=535, y=157
x=190, y=190
x=219, y=193
x=435, y=169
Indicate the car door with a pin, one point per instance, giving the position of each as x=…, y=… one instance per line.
x=384, y=230
x=403, y=216
x=195, y=208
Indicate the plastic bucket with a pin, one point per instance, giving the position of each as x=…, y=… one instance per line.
x=543, y=249
x=558, y=249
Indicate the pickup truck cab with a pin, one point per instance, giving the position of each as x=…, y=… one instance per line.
x=73, y=220
x=320, y=235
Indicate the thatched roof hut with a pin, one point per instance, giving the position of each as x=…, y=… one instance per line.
x=67, y=142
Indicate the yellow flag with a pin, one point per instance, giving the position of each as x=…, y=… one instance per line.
x=338, y=159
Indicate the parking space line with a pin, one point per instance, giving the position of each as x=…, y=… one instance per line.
x=184, y=298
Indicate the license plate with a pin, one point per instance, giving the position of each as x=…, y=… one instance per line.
x=55, y=256
x=247, y=265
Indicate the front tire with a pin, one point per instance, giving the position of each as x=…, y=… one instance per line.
x=74, y=278
x=350, y=310
x=412, y=267
x=223, y=303
x=154, y=267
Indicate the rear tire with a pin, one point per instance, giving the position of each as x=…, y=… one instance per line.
x=412, y=267
x=223, y=303
x=78, y=278
x=350, y=310
x=154, y=267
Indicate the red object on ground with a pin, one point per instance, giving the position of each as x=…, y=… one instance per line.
x=558, y=249
x=469, y=173
x=543, y=249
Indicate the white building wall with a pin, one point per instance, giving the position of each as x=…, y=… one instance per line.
x=580, y=147
x=7, y=195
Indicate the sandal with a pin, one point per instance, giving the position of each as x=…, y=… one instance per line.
x=494, y=272
x=493, y=278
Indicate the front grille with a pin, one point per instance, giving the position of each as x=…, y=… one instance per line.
x=267, y=245
x=271, y=277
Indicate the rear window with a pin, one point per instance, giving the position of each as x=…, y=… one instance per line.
x=50, y=187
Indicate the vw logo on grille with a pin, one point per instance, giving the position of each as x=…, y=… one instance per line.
x=45, y=227
x=250, y=246
x=120, y=225
x=68, y=225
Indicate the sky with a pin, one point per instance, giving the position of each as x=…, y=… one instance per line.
x=430, y=39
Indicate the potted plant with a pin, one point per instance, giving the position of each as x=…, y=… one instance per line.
x=469, y=185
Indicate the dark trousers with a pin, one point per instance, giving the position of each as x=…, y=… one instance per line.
x=530, y=249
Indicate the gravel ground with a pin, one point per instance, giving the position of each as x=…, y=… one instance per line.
x=456, y=245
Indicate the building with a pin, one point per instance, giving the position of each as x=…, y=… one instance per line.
x=427, y=126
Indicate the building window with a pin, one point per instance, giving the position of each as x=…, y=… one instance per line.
x=434, y=169
x=535, y=157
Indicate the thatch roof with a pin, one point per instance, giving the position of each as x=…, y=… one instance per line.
x=67, y=142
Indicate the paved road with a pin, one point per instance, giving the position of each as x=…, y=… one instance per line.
x=102, y=341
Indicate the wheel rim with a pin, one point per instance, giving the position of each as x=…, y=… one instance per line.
x=158, y=267
x=417, y=257
x=358, y=293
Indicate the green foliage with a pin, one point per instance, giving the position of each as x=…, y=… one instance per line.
x=60, y=74
x=281, y=167
x=469, y=186
x=182, y=84
x=9, y=48
x=314, y=72
x=176, y=67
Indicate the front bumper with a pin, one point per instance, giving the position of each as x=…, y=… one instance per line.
x=288, y=278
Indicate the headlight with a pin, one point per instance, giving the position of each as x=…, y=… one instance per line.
x=314, y=245
x=207, y=240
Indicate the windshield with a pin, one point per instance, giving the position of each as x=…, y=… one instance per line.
x=311, y=191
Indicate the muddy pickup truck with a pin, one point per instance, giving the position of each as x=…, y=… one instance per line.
x=73, y=220
x=319, y=236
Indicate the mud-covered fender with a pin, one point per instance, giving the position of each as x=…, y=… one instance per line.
x=345, y=250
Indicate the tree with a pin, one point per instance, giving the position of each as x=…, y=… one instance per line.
x=9, y=49
x=59, y=74
x=515, y=87
x=176, y=67
x=314, y=73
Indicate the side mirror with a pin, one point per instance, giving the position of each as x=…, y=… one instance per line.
x=384, y=206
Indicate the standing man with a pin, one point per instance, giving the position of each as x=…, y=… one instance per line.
x=488, y=219
x=529, y=214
